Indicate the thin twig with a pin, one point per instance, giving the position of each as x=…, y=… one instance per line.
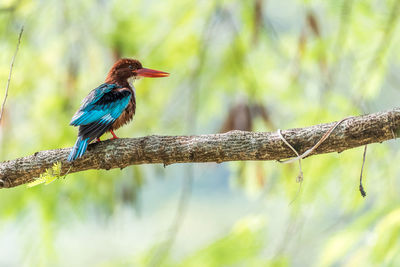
x=65, y=176
x=309, y=151
x=362, y=191
x=300, y=177
x=9, y=75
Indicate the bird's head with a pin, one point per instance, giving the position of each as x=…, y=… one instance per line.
x=126, y=68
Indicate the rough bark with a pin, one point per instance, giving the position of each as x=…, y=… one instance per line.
x=231, y=146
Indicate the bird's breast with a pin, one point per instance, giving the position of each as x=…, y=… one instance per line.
x=127, y=114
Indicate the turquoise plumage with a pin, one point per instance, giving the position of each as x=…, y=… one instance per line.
x=99, y=110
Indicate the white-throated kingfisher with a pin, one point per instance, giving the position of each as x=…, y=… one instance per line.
x=109, y=106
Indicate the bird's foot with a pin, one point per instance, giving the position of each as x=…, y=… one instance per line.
x=114, y=136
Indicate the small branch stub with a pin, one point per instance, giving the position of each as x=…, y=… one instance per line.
x=361, y=187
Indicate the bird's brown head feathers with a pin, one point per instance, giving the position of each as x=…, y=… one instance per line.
x=126, y=68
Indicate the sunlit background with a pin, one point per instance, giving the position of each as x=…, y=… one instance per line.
x=253, y=65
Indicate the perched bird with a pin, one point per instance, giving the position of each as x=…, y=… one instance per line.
x=109, y=106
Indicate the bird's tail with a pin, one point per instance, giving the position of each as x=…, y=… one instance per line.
x=79, y=148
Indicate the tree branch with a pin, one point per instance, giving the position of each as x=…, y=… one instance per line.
x=231, y=146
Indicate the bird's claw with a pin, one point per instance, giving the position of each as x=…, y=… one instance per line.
x=114, y=136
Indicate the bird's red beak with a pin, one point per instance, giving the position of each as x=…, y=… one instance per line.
x=144, y=72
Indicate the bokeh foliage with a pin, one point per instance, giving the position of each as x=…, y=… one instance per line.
x=288, y=63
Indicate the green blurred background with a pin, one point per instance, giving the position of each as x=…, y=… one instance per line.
x=257, y=65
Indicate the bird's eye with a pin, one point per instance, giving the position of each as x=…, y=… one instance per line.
x=130, y=67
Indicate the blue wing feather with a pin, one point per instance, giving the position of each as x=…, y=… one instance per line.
x=93, y=109
x=78, y=149
x=98, y=112
x=98, y=93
